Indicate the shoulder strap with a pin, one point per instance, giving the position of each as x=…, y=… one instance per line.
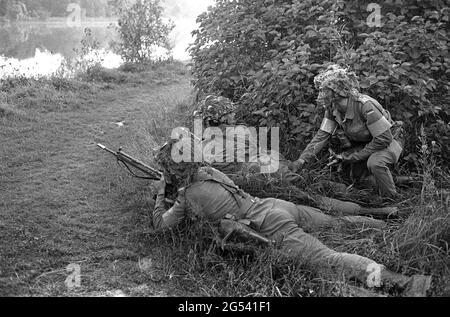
x=229, y=186
x=364, y=98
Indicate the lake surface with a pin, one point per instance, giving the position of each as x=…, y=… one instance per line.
x=20, y=40
x=39, y=48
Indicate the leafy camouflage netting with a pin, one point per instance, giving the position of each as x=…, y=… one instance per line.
x=164, y=158
x=339, y=80
x=215, y=110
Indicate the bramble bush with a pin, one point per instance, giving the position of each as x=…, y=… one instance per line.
x=265, y=54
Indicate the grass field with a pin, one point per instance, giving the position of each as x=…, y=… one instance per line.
x=64, y=202
x=61, y=198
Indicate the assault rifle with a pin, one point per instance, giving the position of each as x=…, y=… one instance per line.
x=150, y=173
x=128, y=161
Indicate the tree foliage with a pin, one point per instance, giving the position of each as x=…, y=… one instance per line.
x=265, y=54
x=141, y=30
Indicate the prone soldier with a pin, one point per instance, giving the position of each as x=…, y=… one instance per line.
x=209, y=194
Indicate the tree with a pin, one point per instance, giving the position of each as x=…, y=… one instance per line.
x=141, y=30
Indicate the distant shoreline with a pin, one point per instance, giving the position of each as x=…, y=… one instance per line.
x=59, y=21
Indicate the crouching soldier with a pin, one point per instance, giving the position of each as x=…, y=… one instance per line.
x=212, y=196
x=364, y=124
x=219, y=113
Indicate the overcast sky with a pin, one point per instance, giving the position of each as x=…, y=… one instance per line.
x=184, y=13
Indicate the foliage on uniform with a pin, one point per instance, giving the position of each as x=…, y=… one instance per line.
x=142, y=30
x=265, y=55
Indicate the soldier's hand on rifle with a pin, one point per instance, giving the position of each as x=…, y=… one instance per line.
x=161, y=186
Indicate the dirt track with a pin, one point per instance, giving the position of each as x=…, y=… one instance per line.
x=59, y=203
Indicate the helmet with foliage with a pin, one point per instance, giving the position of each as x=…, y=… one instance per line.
x=340, y=80
x=177, y=171
x=216, y=110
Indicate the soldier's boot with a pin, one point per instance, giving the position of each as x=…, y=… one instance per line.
x=362, y=292
x=418, y=286
x=411, y=286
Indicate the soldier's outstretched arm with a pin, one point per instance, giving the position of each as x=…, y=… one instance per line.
x=320, y=140
x=317, y=144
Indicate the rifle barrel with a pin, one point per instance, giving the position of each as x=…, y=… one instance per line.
x=106, y=149
x=125, y=158
x=141, y=163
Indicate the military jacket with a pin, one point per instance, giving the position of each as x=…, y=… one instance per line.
x=211, y=196
x=365, y=124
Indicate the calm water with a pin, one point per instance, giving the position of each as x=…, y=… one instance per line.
x=21, y=40
x=39, y=48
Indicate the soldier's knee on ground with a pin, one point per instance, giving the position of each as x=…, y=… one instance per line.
x=379, y=166
x=374, y=164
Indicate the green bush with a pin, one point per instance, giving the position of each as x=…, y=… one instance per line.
x=141, y=29
x=265, y=55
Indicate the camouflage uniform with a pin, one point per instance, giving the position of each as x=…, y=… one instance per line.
x=365, y=124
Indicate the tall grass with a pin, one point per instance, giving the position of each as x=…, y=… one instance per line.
x=418, y=243
x=422, y=241
x=189, y=258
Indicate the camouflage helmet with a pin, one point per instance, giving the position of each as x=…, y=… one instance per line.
x=214, y=109
x=340, y=80
x=179, y=170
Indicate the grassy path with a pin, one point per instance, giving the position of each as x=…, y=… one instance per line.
x=60, y=202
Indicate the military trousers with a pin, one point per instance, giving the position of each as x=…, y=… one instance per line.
x=379, y=166
x=285, y=223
